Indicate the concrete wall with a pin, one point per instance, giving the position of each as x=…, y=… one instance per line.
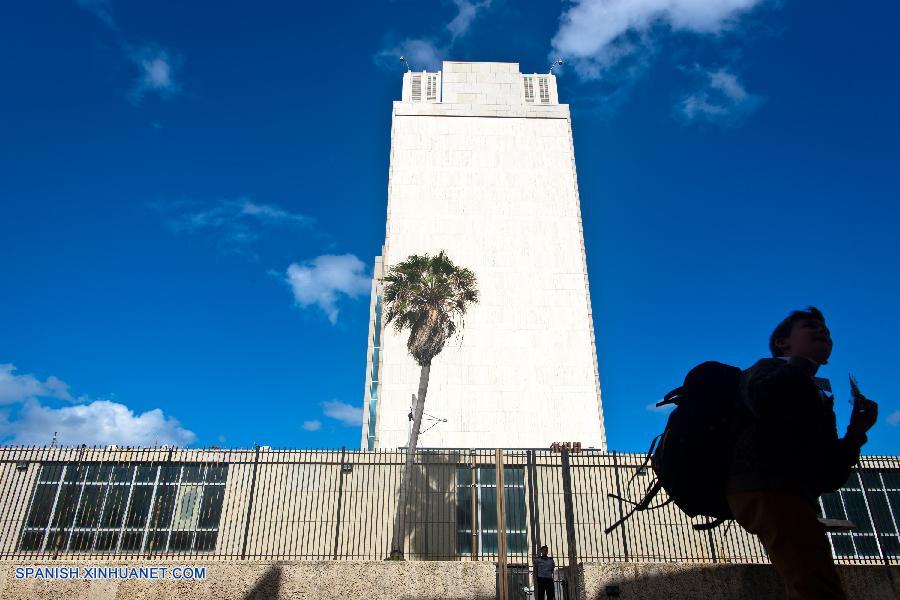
x=492, y=181
x=721, y=582
x=339, y=580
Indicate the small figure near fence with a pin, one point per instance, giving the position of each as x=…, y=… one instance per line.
x=789, y=454
x=543, y=575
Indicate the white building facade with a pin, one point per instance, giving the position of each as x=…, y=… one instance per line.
x=483, y=166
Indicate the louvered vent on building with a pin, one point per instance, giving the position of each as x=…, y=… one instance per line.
x=529, y=89
x=544, y=90
x=431, y=87
x=416, y=88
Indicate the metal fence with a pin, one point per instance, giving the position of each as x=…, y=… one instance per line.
x=340, y=505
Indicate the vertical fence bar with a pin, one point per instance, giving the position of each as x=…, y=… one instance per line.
x=250, y=504
x=623, y=525
x=875, y=532
x=503, y=586
x=569, y=510
x=340, y=497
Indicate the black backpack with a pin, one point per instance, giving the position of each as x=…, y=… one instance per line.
x=692, y=456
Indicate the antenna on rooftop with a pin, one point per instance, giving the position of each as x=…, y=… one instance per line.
x=53, y=441
x=557, y=63
x=405, y=62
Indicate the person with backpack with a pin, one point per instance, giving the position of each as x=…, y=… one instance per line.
x=788, y=453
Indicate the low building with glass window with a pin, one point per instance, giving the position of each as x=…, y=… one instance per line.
x=326, y=505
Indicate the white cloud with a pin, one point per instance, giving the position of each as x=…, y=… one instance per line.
x=102, y=9
x=595, y=35
x=19, y=388
x=324, y=279
x=893, y=419
x=156, y=72
x=100, y=422
x=347, y=414
x=313, y=425
x=721, y=99
x=427, y=53
x=232, y=223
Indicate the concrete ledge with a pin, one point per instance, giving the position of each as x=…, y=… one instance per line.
x=670, y=581
x=269, y=580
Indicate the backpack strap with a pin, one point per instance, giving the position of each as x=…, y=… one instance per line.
x=710, y=524
x=652, y=491
x=646, y=459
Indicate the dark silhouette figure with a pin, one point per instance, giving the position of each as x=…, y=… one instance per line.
x=543, y=576
x=788, y=453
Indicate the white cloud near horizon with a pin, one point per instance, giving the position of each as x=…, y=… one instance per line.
x=427, y=53
x=100, y=422
x=97, y=422
x=652, y=407
x=346, y=414
x=596, y=35
x=313, y=425
x=324, y=280
x=15, y=388
x=102, y=9
x=721, y=99
x=893, y=419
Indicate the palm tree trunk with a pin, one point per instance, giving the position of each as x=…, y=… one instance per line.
x=400, y=516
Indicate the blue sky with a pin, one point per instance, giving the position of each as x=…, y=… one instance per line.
x=193, y=195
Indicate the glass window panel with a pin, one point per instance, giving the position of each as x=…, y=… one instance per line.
x=515, y=542
x=211, y=506
x=463, y=542
x=206, y=541
x=217, y=473
x=865, y=545
x=101, y=473
x=187, y=507
x=890, y=544
x=834, y=508
x=463, y=507
x=856, y=510
x=66, y=503
x=82, y=540
x=881, y=513
x=107, y=540
x=32, y=540
x=515, y=508
x=57, y=540
x=89, y=508
x=163, y=506
x=871, y=479
x=42, y=505
x=488, y=508
x=123, y=473
x=131, y=541
x=192, y=473
x=891, y=479
x=487, y=476
x=145, y=473
x=114, y=509
x=181, y=541
x=894, y=498
x=843, y=546
x=852, y=482
x=489, y=543
x=140, y=506
x=513, y=476
x=75, y=473
x=169, y=473
x=50, y=472
x=463, y=476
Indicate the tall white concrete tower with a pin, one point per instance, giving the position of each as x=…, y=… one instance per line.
x=482, y=166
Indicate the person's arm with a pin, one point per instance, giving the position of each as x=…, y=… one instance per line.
x=842, y=453
x=773, y=387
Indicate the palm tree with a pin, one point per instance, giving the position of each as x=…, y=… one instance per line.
x=427, y=295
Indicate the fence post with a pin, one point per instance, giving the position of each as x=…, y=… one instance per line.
x=474, y=503
x=621, y=509
x=250, y=504
x=503, y=581
x=533, y=511
x=337, y=524
x=570, y=512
